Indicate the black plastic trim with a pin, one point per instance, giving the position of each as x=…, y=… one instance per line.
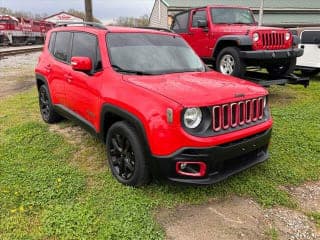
x=271, y=54
x=222, y=161
x=125, y=115
x=67, y=113
x=240, y=40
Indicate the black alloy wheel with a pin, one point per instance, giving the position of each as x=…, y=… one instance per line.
x=122, y=157
x=126, y=155
x=49, y=115
x=44, y=104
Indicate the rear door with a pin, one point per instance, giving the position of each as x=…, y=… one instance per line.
x=59, y=67
x=310, y=42
x=83, y=89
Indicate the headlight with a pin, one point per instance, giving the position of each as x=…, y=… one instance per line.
x=192, y=117
x=288, y=35
x=255, y=37
x=264, y=102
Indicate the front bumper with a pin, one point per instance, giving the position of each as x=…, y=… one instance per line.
x=271, y=54
x=222, y=161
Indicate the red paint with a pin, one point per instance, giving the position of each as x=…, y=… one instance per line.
x=204, y=42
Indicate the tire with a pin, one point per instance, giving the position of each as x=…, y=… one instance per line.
x=48, y=114
x=282, y=68
x=126, y=156
x=229, y=62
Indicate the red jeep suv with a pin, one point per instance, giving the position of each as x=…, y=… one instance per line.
x=150, y=98
x=229, y=38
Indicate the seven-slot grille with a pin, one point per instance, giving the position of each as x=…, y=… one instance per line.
x=273, y=40
x=232, y=115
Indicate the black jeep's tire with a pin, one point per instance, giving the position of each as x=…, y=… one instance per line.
x=48, y=114
x=282, y=67
x=229, y=62
x=126, y=156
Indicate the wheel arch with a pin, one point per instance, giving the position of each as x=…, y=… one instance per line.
x=111, y=114
x=40, y=80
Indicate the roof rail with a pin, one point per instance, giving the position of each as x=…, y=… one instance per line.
x=157, y=28
x=90, y=24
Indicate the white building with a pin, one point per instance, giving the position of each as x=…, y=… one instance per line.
x=63, y=17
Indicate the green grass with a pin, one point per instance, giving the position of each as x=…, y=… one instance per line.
x=315, y=216
x=272, y=233
x=51, y=188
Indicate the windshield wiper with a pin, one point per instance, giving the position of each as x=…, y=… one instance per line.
x=120, y=69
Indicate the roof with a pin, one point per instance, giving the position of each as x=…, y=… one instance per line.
x=113, y=29
x=290, y=4
x=59, y=13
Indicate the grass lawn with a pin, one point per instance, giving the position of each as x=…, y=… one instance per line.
x=51, y=188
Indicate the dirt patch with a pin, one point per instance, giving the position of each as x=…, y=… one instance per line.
x=281, y=96
x=17, y=73
x=291, y=224
x=8, y=88
x=236, y=218
x=90, y=155
x=232, y=218
x=308, y=196
x=74, y=134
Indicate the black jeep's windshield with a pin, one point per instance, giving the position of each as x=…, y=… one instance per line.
x=232, y=16
x=146, y=53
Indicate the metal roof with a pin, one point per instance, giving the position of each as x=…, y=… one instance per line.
x=272, y=4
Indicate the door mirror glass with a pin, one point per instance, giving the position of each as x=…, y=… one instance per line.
x=83, y=64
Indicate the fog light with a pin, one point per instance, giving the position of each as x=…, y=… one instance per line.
x=183, y=166
x=191, y=169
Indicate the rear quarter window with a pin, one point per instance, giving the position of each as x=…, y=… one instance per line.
x=62, y=46
x=51, y=42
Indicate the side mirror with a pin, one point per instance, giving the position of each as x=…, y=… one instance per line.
x=83, y=64
x=202, y=23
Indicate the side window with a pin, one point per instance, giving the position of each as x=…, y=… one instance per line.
x=62, y=46
x=310, y=37
x=51, y=41
x=180, y=23
x=198, y=15
x=86, y=45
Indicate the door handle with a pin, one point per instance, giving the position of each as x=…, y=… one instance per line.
x=48, y=68
x=68, y=77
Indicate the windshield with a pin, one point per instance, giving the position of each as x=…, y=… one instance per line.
x=144, y=53
x=232, y=16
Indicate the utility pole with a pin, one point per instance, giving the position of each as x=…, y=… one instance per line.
x=261, y=13
x=88, y=7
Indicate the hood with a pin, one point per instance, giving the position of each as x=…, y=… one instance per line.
x=198, y=89
x=247, y=28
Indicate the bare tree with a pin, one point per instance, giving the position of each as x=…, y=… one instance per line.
x=142, y=21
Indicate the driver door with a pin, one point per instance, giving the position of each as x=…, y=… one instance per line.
x=200, y=35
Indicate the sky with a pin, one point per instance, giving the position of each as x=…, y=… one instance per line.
x=104, y=10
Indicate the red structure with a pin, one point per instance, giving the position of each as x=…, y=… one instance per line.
x=20, y=31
